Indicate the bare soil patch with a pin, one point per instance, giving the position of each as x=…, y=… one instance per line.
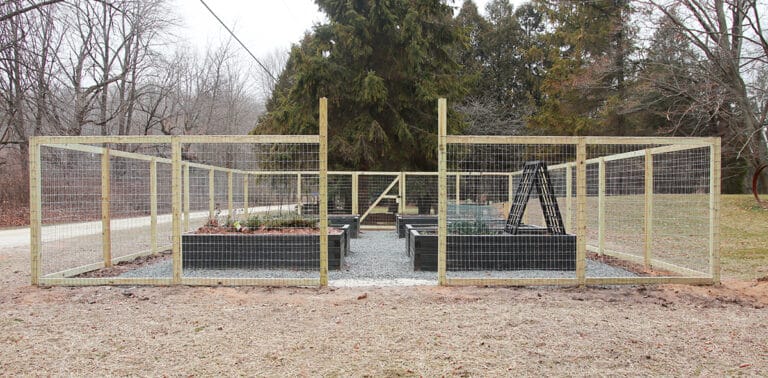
x=395, y=331
x=125, y=266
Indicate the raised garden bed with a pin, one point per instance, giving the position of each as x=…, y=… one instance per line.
x=339, y=220
x=402, y=219
x=297, y=250
x=531, y=249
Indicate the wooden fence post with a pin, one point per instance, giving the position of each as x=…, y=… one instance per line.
x=569, y=197
x=442, y=204
x=35, y=210
x=153, y=204
x=299, y=203
x=581, y=212
x=186, y=197
x=211, y=194
x=648, y=213
x=355, y=189
x=323, y=159
x=106, y=232
x=176, y=183
x=230, y=196
x=601, y=207
x=714, y=210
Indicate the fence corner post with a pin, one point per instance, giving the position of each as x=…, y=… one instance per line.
x=442, y=204
x=323, y=191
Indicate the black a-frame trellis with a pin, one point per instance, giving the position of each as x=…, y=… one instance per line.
x=535, y=174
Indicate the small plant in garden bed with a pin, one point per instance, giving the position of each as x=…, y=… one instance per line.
x=475, y=227
x=290, y=223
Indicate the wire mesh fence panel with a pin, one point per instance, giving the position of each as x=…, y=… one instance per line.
x=649, y=210
x=99, y=217
x=377, y=199
x=681, y=212
x=420, y=194
x=266, y=215
x=504, y=220
x=340, y=194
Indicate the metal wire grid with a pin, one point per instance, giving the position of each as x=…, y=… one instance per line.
x=648, y=213
x=478, y=206
x=339, y=194
x=420, y=194
x=377, y=199
x=264, y=219
x=75, y=201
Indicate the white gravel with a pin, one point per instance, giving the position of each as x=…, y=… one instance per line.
x=377, y=258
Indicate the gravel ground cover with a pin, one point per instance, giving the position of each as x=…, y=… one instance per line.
x=377, y=258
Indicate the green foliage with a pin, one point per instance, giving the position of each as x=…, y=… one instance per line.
x=475, y=227
x=382, y=66
x=269, y=222
x=585, y=87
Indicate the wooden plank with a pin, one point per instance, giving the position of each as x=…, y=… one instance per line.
x=115, y=153
x=176, y=209
x=512, y=282
x=323, y=190
x=106, y=232
x=299, y=204
x=35, y=211
x=497, y=139
x=648, y=213
x=601, y=206
x=649, y=281
x=510, y=192
x=230, y=196
x=458, y=193
x=647, y=140
x=246, y=209
x=186, y=197
x=401, y=193
x=122, y=139
x=355, y=193
x=114, y=281
x=308, y=282
x=211, y=194
x=248, y=139
x=714, y=210
x=153, y=206
x=381, y=197
x=581, y=211
x=442, y=184
x=569, y=197
x=375, y=227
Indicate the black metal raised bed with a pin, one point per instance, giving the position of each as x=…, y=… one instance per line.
x=531, y=249
x=339, y=220
x=258, y=251
x=402, y=219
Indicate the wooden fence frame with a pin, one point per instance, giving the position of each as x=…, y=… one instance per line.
x=688, y=276
x=179, y=207
x=181, y=212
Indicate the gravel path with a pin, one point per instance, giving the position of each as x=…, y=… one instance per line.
x=377, y=258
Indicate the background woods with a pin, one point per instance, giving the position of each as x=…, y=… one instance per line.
x=600, y=67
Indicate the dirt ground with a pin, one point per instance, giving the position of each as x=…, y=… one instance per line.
x=396, y=331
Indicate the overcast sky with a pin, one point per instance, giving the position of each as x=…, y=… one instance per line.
x=263, y=25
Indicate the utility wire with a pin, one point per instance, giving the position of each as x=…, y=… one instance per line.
x=239, y=41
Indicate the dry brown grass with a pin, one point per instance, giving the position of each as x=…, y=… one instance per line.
x=406, y=331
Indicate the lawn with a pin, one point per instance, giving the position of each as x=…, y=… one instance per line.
x=743, y=238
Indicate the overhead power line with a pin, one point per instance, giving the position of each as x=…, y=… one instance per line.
x=239, y=41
